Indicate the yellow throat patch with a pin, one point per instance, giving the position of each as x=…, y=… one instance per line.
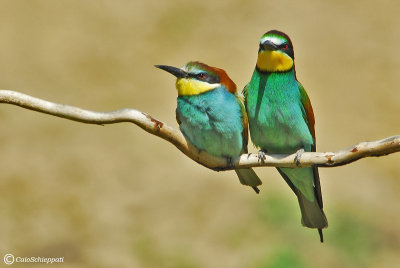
x=187, y=86
x=274, y=61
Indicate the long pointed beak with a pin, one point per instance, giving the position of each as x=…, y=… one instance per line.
x=268, y=45
x=179, y=73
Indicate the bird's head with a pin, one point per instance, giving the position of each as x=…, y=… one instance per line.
x=195, y=78
x=275, y=53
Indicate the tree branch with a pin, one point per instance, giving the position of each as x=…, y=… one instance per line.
x=174, y=136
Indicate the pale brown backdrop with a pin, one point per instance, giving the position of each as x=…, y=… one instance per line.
x=116, y=196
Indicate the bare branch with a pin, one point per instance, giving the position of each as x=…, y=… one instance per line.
x=174, y=136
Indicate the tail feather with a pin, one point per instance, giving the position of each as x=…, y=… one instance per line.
x=247, y=176
x=312, y=215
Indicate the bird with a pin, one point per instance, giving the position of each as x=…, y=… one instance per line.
x=211, y=114
x=281, y=121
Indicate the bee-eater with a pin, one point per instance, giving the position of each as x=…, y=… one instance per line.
x=281, y=121
x=211, y=114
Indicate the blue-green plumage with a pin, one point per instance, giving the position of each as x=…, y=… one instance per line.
x=277, y=124
x=281, y=121
x=275, y=111
x=212, y=122
x=211, y=114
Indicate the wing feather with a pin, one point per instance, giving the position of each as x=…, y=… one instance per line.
x=308, y=113
x=245, y=121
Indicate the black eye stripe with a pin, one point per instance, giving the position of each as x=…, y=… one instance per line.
x=284, y=45
x=209, y=78
x=287, y=48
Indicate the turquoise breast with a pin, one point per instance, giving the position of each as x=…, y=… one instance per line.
x=212, y=121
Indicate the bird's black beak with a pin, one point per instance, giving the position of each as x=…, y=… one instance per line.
x=179, y=73
x=268, y=45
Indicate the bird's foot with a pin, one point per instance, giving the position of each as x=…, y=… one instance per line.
x=298, y=156
x=261, y=156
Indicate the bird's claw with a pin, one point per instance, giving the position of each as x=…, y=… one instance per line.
x=261, y=156
x=298, y=156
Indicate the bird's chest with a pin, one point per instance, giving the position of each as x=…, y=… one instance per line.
x=276, y=119
x=212, y=123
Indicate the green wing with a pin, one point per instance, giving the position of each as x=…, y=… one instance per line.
x=243, y=107
x=308, y=115
x=244, y=92
x=245, y=122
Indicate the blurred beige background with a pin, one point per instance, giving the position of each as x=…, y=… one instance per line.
x=115, y=196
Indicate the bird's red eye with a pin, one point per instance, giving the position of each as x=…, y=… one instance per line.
x=201, y=75
x=285, y=46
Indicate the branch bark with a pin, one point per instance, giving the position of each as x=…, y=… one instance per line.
x=174, y=136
